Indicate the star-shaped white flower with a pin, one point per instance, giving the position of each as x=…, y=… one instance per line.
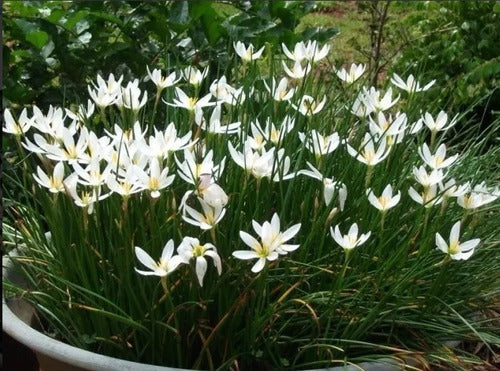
x=386, y=200
x=455, y=249
x=190, y=248
x=351, y=239
x=271, y=245
x=166, y=265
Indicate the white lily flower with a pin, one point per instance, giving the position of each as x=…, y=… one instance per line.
x=247, y=53
x=92, y=176
x=439, y=124
x=211, y=216
x=154, y=181
x=16, y=127
x=160, y=81
x=130, y=97
x=354, y=73
x=84, y=113
x=55, y=182
x=308, y=106
x=318, y=144
x=166, y=265
x=281, y=91
x=393, y=130
x=106, y=93
x=428, y=198
x=190, y=248
x=329, y=186
x=436, y=161
x=455, y=249
x=478, y=196
x=426, y=179
x=298, y=54
x=272, y=242
x=225, y=93
x=386, y=201
x=189, y=103
x=85, y=198
x=125, y=185
x=313, y=53
x=367, y=153
x=297, y=72
x=373, y=102
x=351, y=239
x=214, y=125
x=194, y=76
x=52, y=124
x=69, y=151
x=191, y=170
x=265, y=164
x=450, y=188
x=410, y=85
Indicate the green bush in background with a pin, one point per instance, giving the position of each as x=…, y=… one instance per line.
x=51, y=49
x=458, y=44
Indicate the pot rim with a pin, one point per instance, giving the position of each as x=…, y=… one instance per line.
x=57, y=350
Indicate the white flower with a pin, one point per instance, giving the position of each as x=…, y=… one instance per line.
x=190, y=103
x=371, y=99
x=190, y=248
x=130, y=97
x=211, y=216
x=16, y=127
x=393, y=130
x=298, y=54
x=85, y=198
x=440, y=123
x=55, y=182
x=354, y=73
x=246, y=53
x=429, y=196
x=478, y=196
x=313, y=53
x=450, y=189
x=214, y=125
x=125, y=185
x=270, y=164
x=271, y=245
x=351, y=239
x=457, y=250
x=436, y=161
x=318, y=144
x=367, y=153
x=156, y=180
x=329, y=186
x=280, y=92
x=107, y=92
x=411, y=85
x=194, y=76
x=92, y=176
x=386, y=200
x=425, y=179
x=297, y=72
x=166, y=265
x=69, y=151
x=225, y=93
x=191, y=170
x=84, y=113
x=160, y=81
x=308, y=106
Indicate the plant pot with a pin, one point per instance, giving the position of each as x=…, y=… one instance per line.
x=19, y=320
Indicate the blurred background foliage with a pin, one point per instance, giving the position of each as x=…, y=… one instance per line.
x=458, y=44
x=53, y=48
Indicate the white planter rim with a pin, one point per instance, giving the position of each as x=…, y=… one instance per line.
x=56, y=350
